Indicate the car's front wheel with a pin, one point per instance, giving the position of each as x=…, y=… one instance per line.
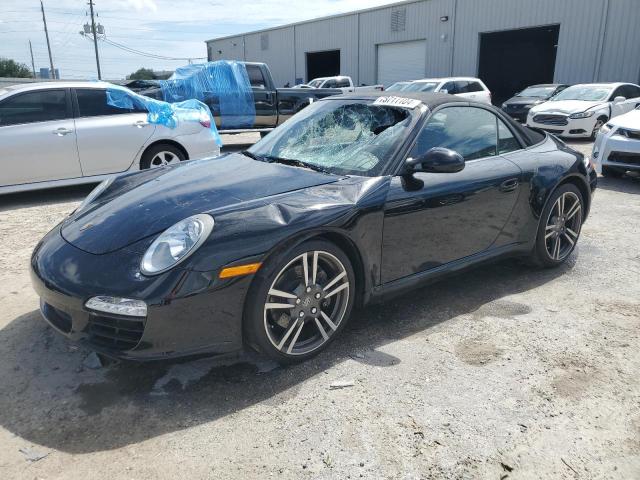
x=300, y=301
x=560, y=226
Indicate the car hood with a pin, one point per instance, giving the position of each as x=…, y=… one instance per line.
x=144, y=204
x=565, y=106
x=629, y=120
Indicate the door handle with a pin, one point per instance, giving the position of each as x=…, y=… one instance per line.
x=140, y=123
x=509, y=185
x=61, y=132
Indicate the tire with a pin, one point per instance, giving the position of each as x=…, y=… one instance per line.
x=554, y=228
x=599, y=123
x=160, y=155
x=612, y=172
x=313, y=313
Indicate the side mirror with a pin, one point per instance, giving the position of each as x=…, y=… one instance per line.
x=444, y=90
x=436, y=160
x=619, y=99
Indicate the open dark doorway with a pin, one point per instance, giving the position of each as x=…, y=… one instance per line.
x=511, y=60
x=323, y=64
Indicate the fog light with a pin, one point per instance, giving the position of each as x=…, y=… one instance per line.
x=118, y=306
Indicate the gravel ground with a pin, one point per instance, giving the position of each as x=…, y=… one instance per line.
x=503, y=372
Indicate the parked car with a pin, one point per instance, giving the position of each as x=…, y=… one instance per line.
x=396, y=87
x=518, y=106
x=617, y=145
x=581, y=110
x=466, y=87
x=65, y=133
x=355, y=199
x=273, y=106
x=343, y=82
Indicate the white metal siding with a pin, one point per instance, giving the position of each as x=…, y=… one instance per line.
x=401, y=61
x=599, y=39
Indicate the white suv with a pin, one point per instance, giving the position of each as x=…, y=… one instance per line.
x=468, y=87
x=65, y=133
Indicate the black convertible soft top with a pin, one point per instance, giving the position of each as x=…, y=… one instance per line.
x=433, y=100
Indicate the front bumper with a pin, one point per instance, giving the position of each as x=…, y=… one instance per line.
x=578, y=128
x=613, y=150
x=189, y=312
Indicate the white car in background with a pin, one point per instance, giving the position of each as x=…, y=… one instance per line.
x=617, y=145
x=581, y=110
x=65, y=133
x=342, y=82
x=467, y=87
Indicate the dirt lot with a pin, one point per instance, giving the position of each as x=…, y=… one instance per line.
x=504, y=372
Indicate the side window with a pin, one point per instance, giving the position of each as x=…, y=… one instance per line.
x=330, y=84
x=31, y=107
x=618, y=92
x=469, y=131
x=462, y=86
x=507, y=142
x=450, y=87
x=93, y=103
x=474, y=87
x=343, y=83
x=634, y=91
x=256, y=79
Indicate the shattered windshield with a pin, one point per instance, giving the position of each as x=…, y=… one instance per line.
x=345, y=137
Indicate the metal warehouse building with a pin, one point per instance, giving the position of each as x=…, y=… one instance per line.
x=507, y=43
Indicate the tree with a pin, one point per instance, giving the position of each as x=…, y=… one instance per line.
x=143, y=74
x=11, y=68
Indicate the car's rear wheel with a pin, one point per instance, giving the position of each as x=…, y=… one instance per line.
x=560, y=226
x=300, y=302
x=160, y=155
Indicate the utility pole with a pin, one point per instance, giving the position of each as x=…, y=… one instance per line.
x=52, y=73
x=95, y=39
x=33, y=65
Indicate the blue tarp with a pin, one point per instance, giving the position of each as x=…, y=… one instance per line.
x=223, y=85
x=164, y=113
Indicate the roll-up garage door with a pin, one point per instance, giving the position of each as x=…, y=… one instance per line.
x=401, y=61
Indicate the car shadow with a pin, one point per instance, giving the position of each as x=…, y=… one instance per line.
x=48, y=196
x=630, y=183
x=53, y=398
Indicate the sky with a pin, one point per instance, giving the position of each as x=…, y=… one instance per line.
x=176, y=29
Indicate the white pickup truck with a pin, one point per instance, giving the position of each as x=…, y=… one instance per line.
x=342, y=82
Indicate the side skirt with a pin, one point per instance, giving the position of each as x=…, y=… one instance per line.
x=400, y=286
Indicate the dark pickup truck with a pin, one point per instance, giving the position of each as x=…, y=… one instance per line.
x=273, y=105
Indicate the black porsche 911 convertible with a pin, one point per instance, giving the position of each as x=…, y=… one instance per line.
x=354, y=199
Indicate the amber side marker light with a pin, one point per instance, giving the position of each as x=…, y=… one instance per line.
x=239, y=270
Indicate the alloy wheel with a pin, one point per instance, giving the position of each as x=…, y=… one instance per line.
x=563, y=226
x=306, y=302
x=163, y=158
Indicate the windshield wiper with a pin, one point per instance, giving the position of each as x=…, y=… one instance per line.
x=294, y=163
x=254, y=156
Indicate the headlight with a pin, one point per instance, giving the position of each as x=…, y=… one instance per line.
x=176, y=244
x=95, y=193
x=582, y=115
x=606, y=128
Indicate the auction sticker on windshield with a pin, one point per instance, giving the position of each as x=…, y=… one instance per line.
x=397, y=102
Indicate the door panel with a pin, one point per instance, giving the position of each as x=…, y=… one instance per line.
x=452, y=216
x=111, y=143
x=435, y=218
x=38, y=138
x=109, y=138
